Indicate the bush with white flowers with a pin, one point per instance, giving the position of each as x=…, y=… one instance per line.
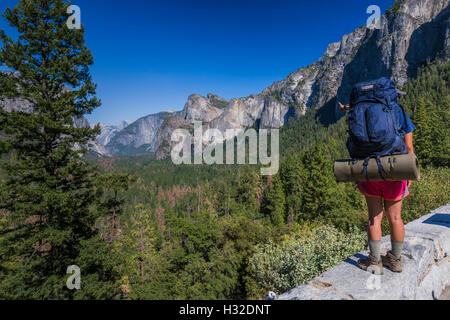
x=281, y=267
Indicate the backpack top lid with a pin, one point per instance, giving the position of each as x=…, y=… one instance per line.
x=381, y=90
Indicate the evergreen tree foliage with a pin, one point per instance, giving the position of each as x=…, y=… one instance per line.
x=48, y=193
x=137, y=244
x=111, y=206
x=291, y=173
x=249, y=193
x=424, y=133
x=275, y=201
x=317, y=182
x=428, y=104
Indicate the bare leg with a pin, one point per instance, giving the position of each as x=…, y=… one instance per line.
x=375, y=206
x=393, y=212
x=373, y=262
x=394, y=215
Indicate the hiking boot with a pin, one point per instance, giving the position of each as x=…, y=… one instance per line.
x=391, y=262
x=370, y=264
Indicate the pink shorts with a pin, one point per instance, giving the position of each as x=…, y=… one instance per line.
x=388, y=190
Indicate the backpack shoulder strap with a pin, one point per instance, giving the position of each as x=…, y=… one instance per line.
x=404, y=115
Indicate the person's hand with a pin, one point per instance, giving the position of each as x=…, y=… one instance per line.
x=343, y=108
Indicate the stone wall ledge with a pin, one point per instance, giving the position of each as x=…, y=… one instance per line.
x=426, y=268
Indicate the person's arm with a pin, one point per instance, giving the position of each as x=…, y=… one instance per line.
x=409, y=142
x=410, y=147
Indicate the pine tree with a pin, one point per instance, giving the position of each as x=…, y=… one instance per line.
x=49, y=191
x=291, y=175
x=137, y=243
x=423, y=135
x=249, y=192
x=443, y=133
x=112, y=205
x=275, y=201
x=427, y=103
x=318, y=183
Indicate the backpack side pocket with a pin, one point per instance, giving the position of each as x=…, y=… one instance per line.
x=357, y=125
x=380, y=125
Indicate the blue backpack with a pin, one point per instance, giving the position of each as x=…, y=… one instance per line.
x=372, y=121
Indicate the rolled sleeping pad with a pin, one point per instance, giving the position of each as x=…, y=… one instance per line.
x=396, y=168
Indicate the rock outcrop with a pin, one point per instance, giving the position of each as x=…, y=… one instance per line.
x=108, y=131
x=426, y=268
x=20, y=105
x=199, y=108
x=164, y=144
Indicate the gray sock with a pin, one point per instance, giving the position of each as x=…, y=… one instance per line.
x=397, y=247
x=375, y=248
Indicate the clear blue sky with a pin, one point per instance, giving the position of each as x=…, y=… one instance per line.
x=151, y=55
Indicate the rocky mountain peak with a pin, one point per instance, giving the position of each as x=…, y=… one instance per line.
x=412, y=33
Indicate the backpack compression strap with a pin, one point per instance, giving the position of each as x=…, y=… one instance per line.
x=380, y=168
x=366, y=163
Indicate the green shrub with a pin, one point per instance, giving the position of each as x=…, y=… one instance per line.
x=281, y=267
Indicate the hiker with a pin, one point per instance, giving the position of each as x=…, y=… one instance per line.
x=372, y=104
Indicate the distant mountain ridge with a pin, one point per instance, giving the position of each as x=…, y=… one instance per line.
x=108, y=131
x=413, y=32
